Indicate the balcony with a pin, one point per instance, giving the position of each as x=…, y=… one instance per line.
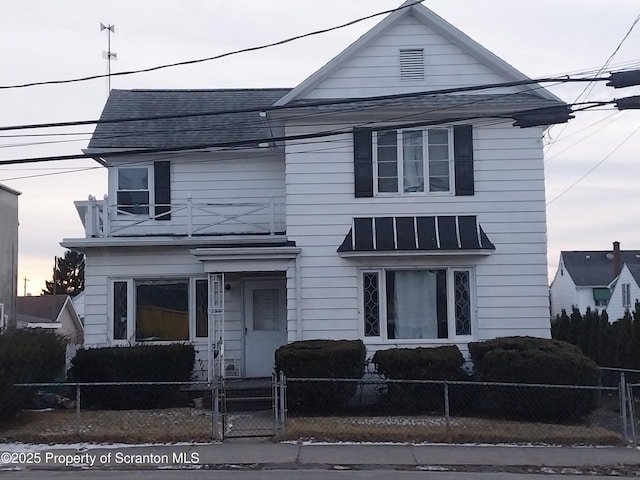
x=102, y=219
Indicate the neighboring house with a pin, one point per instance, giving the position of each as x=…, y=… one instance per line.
x=51, y=312
x=626, y=291
x=78, y=305
x=8, y=255
x=55, y=313
x=585, y=279
x=402, y=221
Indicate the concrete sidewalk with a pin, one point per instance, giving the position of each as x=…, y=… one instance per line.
x=255, y=454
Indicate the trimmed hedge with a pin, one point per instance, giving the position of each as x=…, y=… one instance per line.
x=436, y=363
x=141, y=363
x=536, y=360
x=321, y=359
x=27, y=356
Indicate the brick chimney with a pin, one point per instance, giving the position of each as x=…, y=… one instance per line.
x=617, y=262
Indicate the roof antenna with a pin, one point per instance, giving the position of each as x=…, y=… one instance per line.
x=108, y=55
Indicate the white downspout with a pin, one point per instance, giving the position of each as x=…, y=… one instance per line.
x=298, y=298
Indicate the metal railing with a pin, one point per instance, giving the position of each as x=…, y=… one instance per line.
x=102, y=219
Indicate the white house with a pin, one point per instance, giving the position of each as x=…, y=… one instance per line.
x=373, y=201
x=625, y=292
x=8, y=255
x=585, y=279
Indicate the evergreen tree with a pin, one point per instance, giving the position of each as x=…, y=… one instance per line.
x=560, y=326
x=634, y=344
x=623, y=341
x=575, y=324
x=68, y=275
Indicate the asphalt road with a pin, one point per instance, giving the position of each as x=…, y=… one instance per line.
x=281, y=475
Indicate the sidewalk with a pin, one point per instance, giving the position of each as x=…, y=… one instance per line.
x=256, y=454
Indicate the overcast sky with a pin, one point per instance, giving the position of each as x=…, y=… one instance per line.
x=45, y=40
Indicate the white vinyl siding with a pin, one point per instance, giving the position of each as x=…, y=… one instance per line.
x=627, y=291
x=229, y=193
x=375, y=69
x=511, y=283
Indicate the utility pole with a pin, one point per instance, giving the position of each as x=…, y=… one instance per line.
x=108, y=55
x=55, y=269
x=24, y=294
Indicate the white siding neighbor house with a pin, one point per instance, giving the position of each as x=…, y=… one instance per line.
x=626, y=291
x=586, y=279
x=376, y=201
x=8, y=255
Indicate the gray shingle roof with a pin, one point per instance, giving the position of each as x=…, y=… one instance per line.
x=45, y=308
x=477, y=103
x=187, y=131
x=597, y=269
x=635, y=272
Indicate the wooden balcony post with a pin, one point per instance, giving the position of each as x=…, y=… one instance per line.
x=106, y=217
x=91, y=216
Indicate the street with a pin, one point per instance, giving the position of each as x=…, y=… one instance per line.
x=280, y=475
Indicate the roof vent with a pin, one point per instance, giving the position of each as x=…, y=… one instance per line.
x=412, y=64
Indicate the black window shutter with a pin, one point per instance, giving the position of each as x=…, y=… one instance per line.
x=463, y=159
x=162, y=190
x=363, y=162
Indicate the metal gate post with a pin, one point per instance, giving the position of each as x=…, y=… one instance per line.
x=283, y=403
x=217, y=431
x=623, y=406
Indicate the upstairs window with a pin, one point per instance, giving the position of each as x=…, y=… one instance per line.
x=413, y=160
x=626, y=295
x=133, y=190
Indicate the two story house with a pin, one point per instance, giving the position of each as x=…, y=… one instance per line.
x=8, y=256
x=589, y=279
x=378, y=200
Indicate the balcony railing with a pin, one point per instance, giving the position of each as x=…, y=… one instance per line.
x=189, y=218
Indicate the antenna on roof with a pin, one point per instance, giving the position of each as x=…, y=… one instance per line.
x=108, y=55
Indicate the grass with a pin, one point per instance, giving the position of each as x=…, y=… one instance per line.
x=435, y=429
x=190, y=424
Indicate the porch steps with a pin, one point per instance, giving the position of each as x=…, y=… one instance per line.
x=242, y=395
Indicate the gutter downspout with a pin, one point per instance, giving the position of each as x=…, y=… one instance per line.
x=298, y=298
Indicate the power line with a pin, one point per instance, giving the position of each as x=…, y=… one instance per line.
x=590, y=86
x=594, y=167
x=309, y=104
x=216, y=57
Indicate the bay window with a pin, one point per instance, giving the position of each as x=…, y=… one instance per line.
x=416, y=304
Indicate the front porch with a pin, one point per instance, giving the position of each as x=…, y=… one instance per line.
x=248, y=314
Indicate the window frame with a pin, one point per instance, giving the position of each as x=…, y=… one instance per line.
x=150, y=190
x=382, y=337
x=425, y=161
x=130, y=337
x=626, y=295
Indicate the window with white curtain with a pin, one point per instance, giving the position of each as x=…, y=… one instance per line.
x=416, y=304
x=413, y=160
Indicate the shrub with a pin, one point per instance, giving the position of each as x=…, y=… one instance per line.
x=321, y=359
x=536, y=360
x=142, y=363
x=437, y=363
x=27, y=356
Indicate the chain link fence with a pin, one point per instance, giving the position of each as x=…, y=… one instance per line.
x=378, y=409
x=135, y=412
x=325, y=409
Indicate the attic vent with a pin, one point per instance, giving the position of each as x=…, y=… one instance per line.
x=412, y=64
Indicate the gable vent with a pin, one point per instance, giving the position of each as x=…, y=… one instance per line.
x=412, y=64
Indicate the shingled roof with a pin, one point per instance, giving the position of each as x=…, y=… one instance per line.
x=44, y=308
x=595, y=268
x=186, y=131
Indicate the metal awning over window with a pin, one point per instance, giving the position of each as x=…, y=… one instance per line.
x=601, y=294
x=437, y=235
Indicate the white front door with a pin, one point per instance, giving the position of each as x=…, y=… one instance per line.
x=265, y=324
